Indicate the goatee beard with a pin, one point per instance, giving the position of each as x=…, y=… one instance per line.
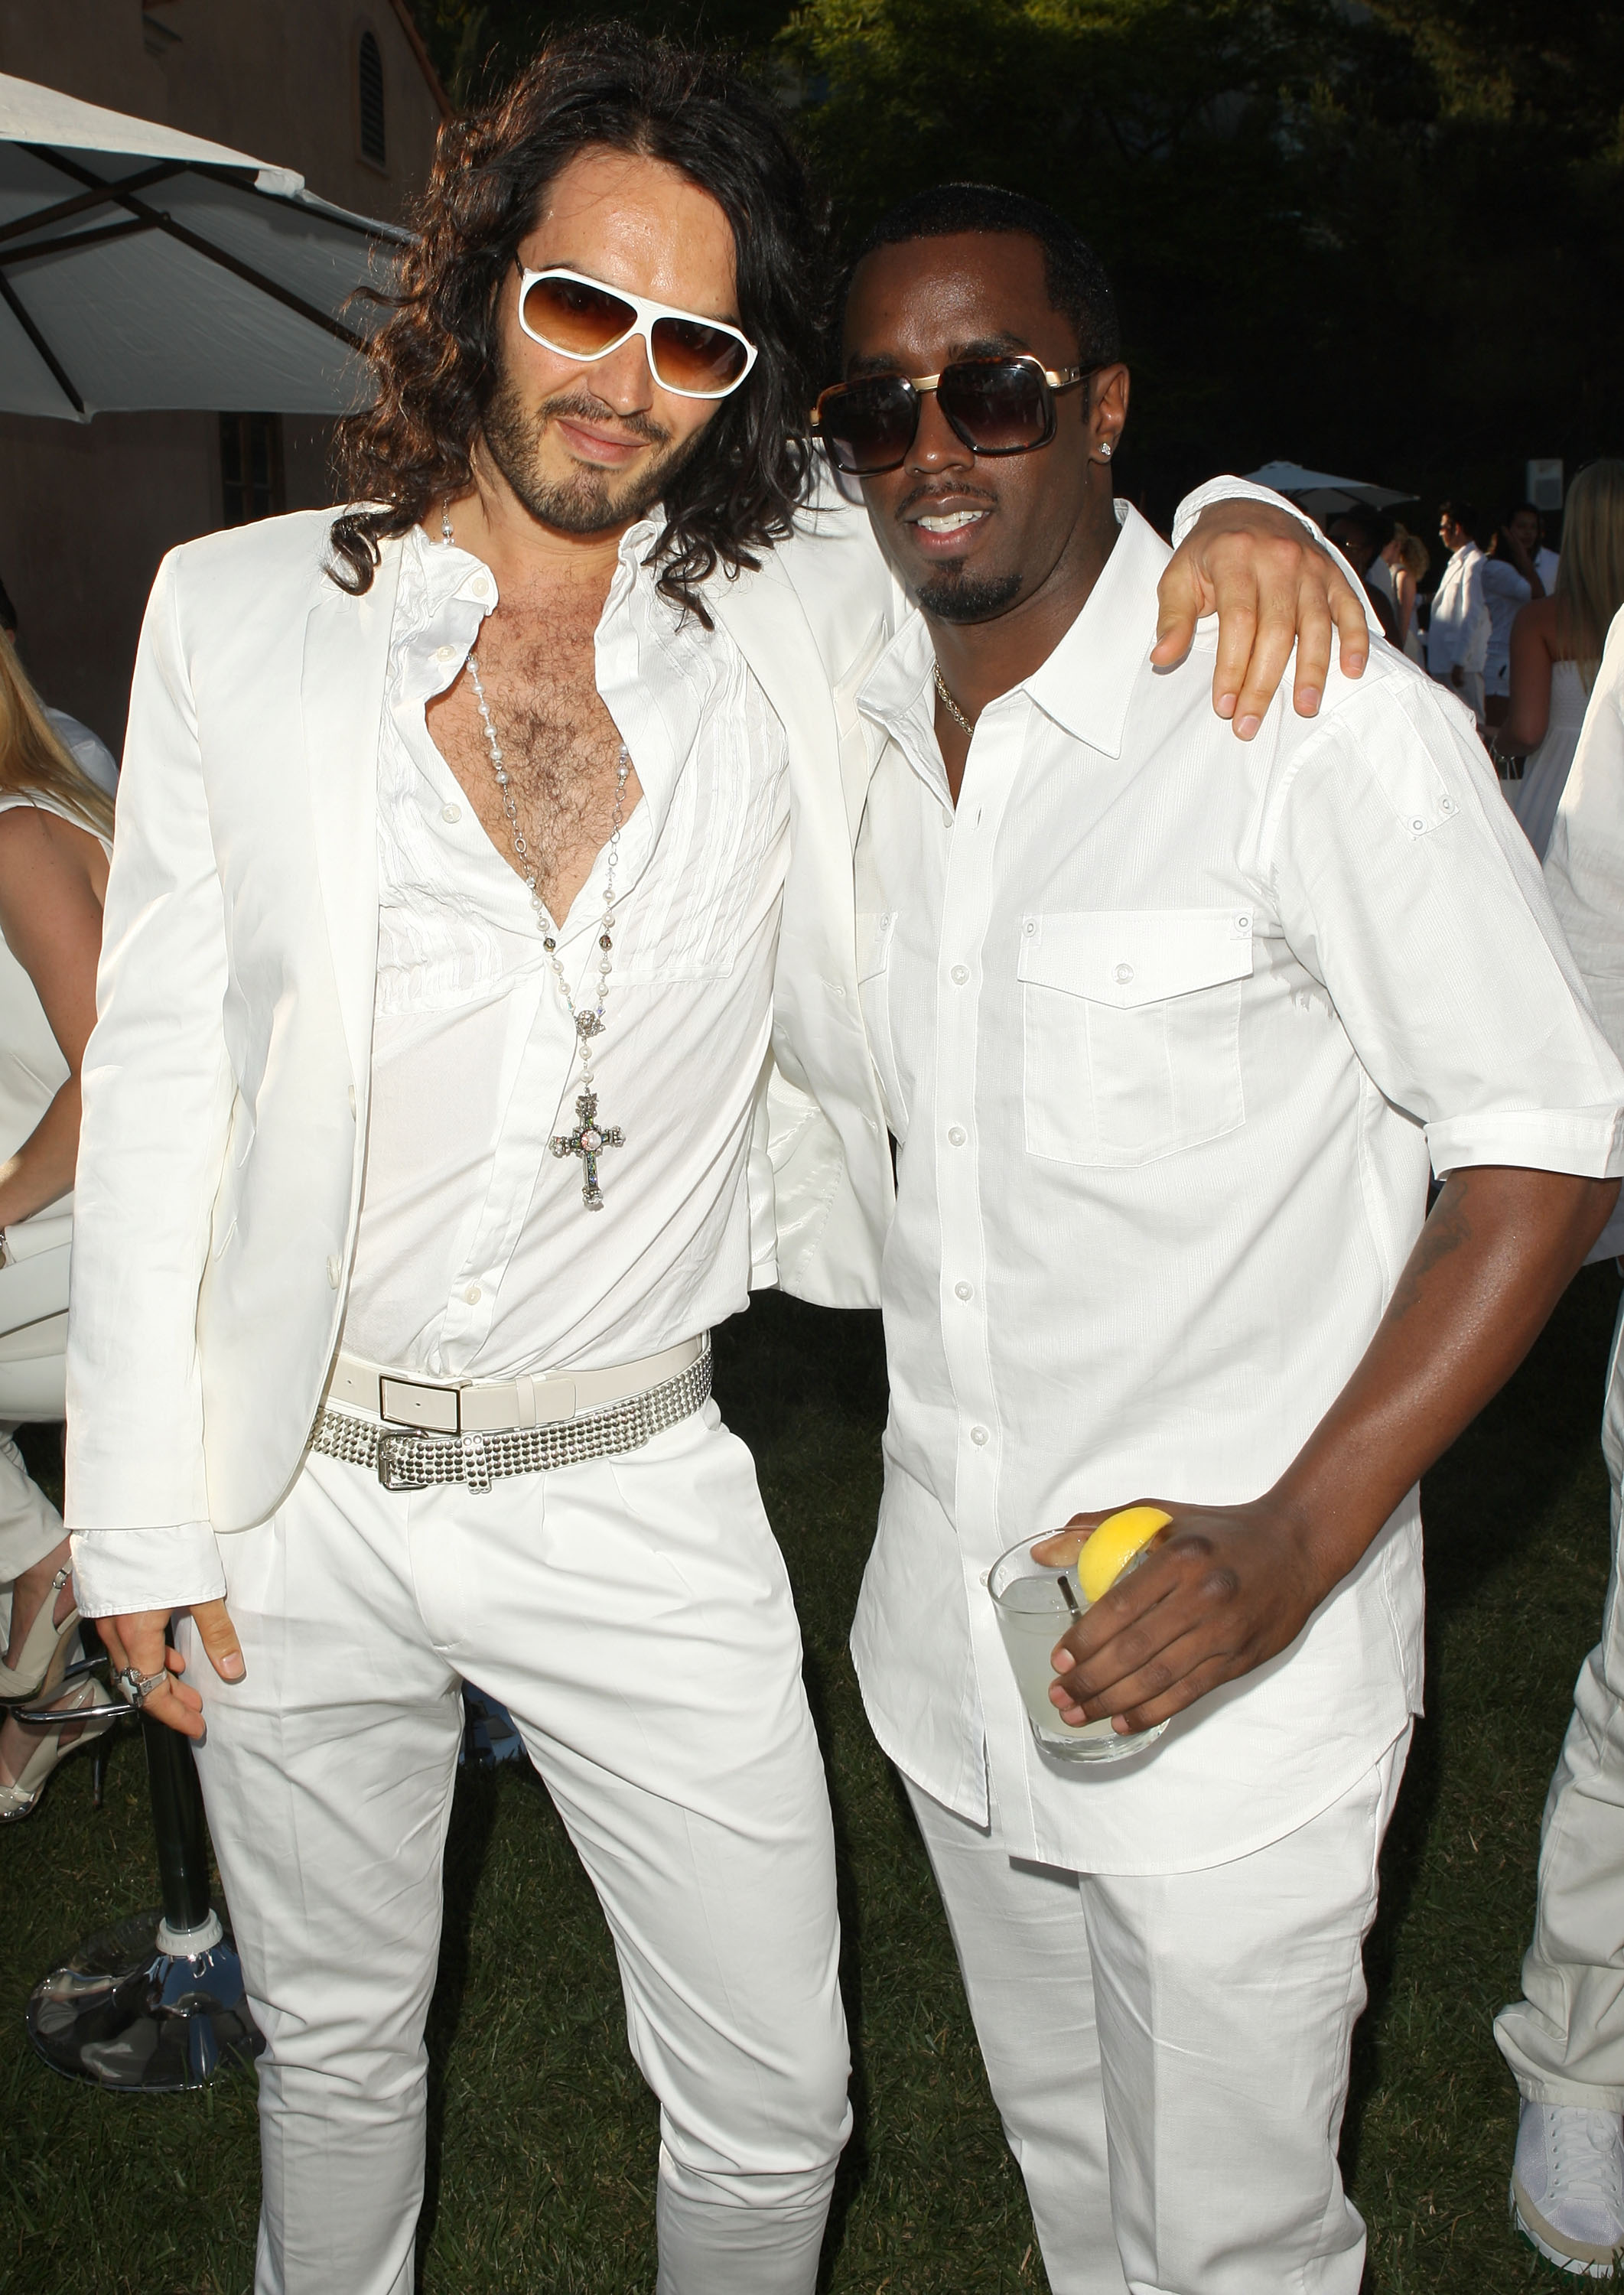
x=960, y=597
x=587, y=502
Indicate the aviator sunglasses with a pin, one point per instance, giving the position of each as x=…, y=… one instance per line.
x=583, y=319
x=992, y=405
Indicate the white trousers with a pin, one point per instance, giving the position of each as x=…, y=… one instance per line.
x=1565, y=2039
x=634, y=1616
x=1169, y=2054
x=30, y=1525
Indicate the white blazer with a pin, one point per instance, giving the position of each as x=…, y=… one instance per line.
x=226, y=1083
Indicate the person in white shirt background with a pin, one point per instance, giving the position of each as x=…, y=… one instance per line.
x=1457, y=630
x=1564, y=2040
x=1168, y=1052
x=1510, y=579
x=447, y=1028
x=1529, y=526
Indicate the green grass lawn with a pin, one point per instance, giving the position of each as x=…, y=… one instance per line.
x=543, y=2145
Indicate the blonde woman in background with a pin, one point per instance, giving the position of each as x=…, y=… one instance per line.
x=56, y=828
x=1556, y=648
x=1407, y=558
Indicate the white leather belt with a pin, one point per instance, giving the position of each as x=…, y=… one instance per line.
x=417, y=1432
x=498, y=1406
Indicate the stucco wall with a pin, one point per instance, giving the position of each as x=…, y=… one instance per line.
x=88, y=510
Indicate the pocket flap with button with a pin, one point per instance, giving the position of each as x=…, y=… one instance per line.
x=1128, y=957
x=874, y=931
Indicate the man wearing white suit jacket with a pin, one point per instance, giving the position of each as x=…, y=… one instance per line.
x=444, y=1018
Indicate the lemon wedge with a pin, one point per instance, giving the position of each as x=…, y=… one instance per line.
x=1107, y=1553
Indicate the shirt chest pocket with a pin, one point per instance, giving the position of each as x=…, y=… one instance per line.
x=1132, y=1023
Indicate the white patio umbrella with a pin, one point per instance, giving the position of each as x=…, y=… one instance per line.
x=140, y=267
x=1319, y=491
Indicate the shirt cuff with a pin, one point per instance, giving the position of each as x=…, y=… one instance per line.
x=1586, y=1141
x=117, y=1570
x=1218, y=490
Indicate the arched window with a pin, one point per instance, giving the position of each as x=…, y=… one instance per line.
x=369, y=90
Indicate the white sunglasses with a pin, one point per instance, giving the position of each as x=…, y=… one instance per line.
x=583, y=319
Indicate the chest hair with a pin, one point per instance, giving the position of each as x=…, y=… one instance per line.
x=560, y=746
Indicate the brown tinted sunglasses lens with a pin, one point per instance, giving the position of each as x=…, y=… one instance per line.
x=581, y=321
x=997, y=406
x=688, y=355
x=868, y=427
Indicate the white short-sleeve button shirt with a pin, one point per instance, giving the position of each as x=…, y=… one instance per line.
x=1169, y=1028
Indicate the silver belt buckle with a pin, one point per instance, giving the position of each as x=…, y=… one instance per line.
x=397, y=1465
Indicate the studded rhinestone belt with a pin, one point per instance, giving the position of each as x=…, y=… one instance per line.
x=404, y=1459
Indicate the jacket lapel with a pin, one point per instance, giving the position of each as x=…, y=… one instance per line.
x=345, y=665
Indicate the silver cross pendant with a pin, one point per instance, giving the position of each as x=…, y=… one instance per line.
x=588, y=1140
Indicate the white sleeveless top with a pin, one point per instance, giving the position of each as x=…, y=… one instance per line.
x=1534, y=799
x=32, y=1069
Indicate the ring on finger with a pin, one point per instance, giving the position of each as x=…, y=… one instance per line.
x=139, y=1687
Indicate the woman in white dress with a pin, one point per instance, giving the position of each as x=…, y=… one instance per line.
x=55, y=835
x=1407, y=558
x=1556, y=648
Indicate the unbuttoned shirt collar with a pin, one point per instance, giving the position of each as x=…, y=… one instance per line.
x=1084, y=686
x=447, y=594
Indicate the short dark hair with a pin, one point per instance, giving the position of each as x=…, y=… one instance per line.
x=8, y=614
x=435, y=363
x=1079, y=285
x=1374, y=525
x=1464, y=513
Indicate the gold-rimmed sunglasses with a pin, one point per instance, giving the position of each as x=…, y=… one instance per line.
x=1003, y=405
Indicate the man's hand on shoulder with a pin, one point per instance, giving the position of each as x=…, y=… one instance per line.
x=137, y=1640
x=1272, y=587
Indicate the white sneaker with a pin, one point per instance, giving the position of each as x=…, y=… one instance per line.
x=1567, y=2186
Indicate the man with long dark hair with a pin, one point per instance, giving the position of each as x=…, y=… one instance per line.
x=426, y=1137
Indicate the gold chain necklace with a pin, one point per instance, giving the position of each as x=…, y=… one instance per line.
x=953, y=710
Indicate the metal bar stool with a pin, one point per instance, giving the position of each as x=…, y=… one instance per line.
x=157, y=2003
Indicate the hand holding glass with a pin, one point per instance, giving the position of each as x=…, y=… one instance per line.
x=1035, y=1602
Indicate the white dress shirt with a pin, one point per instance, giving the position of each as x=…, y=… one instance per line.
x=476, y=1256
x=1546, y=562
x=1457, y=633
x=1167, y=1028
x=1584, y=865
x=1507, y=593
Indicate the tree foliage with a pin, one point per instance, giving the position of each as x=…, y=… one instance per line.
x=1387, y=239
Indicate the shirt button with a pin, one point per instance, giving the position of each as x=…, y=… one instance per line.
x=962, y=1291
x=352, y=1099
x=333, y=1272
x=480, y=589
x=473, y=1294
x=1123, y=975
x=956, y=1135
x=961, y=974
x=451, y=813
x=446, y=653
x=979, y=1436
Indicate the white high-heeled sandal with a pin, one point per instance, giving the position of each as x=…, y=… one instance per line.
x=44, y=1657
x=21, y=1799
